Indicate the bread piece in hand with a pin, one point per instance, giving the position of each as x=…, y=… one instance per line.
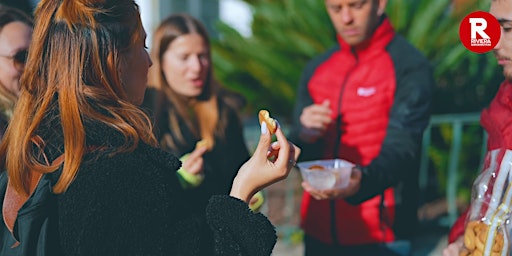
x=264, y=116
x=208, y=143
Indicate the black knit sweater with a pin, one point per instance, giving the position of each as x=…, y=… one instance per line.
x=132, y=204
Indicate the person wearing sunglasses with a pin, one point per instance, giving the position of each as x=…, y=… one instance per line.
x=15, y=37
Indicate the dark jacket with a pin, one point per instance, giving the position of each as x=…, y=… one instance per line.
x=132, y=204
x=36, y=223
x=379, y=94
x=3, y=125
x=221, y=164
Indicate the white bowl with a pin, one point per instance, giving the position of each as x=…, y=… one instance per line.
x=335, y=175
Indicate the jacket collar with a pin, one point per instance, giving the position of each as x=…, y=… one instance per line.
x=376, y=43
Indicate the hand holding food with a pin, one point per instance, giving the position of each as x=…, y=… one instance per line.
x=206, y=143
x=191, y=172
x=259, y=172
x=193, y=162
x=314, y=120
x=354, y=183
x=264, y=116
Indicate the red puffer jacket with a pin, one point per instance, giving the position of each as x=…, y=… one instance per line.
x=380, y=96
x=496, y=120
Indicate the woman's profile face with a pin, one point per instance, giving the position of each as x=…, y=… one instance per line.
x=15, y=39
x=134, y=70
x=185, y=64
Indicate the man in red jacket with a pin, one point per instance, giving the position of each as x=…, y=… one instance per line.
x=367, y=101
x=497, y=117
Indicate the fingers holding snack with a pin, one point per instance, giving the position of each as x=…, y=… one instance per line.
x=205, y=143
x=314, y=120
x=259, y=172
x=316, y=116
x=285, y=153
x=272, y=124
x=193, y=162
x=281, y=150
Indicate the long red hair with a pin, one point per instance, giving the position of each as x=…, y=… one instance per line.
x=76, y=52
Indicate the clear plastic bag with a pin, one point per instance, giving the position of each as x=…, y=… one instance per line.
x=487, y=229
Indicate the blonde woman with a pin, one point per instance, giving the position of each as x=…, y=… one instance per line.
x=15, y=36
x=188, y=106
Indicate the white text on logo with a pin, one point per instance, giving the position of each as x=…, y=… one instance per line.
x=478, y=25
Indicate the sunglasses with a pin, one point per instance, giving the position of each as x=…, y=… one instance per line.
x=19, y=59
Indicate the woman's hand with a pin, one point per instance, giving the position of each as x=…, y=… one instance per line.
x=194, y=162
x=259, y=172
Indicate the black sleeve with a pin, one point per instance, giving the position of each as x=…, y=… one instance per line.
x=221, y=165
x=237, y=230
x=128, y=204
x=400, y=153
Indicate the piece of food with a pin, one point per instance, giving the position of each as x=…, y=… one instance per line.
x=205, y=143
x=264, y=116
x=316, y=167
x=475, y=237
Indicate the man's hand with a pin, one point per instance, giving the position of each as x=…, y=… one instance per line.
x=352, y=188
x=314, y=120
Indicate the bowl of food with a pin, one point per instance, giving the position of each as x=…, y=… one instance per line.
x=326, y=174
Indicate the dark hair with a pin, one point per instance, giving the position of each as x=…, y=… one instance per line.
x=11, y=14
x=23, y=5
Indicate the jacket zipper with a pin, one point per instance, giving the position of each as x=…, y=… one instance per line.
x=332, y=202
